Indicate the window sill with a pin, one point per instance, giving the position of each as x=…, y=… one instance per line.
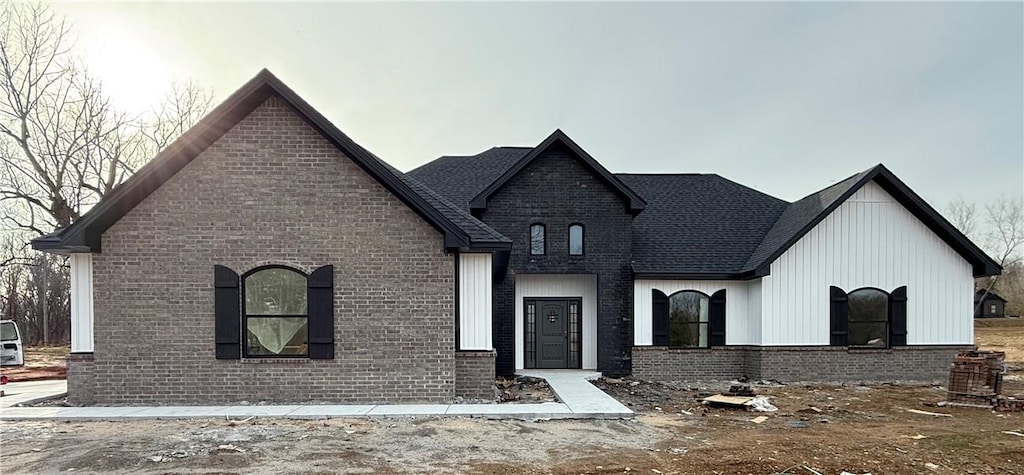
x=868, y=349
x=275, y=360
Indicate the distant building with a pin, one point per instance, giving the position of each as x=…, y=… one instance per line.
x=994, y=306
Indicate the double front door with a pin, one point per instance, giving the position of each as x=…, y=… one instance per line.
x=553, y=328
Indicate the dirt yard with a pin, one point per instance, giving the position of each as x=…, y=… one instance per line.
x=1002, y=334
x=41, y=363
x=824, y=428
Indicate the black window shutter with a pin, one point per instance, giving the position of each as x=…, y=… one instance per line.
x=898, y=317
x=320, y=311
x=839, y=310
x=227, y=319
x=716, y=319
x=659, y=314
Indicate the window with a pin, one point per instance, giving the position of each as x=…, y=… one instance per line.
x=576, y=240
x=537, y=240
x=993, y=309
x=869, y=318
x=275, y=313
x=688, y=320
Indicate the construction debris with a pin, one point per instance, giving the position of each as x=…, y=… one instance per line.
x=740, y=390
x=926, y=413
x=721, y=399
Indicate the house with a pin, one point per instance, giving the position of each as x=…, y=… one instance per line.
x=265, y=256
x=988, y=304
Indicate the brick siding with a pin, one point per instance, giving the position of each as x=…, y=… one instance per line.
x=271, y=191
x=557, y=190
x=80, y=379
x=474, y=374
x=788, y=364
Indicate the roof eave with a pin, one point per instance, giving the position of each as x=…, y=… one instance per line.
x=87, y=231
x=981, y=264
x=655, y=275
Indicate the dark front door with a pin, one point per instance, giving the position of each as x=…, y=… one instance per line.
x=552, y=333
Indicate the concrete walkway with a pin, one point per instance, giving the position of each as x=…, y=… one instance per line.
x=30, y=392
x=581, y=400
x=572, y=386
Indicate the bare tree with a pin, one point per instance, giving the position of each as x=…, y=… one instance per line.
x=66, y=146
x=962, y=214
x=63, y=147
x=1004, y=239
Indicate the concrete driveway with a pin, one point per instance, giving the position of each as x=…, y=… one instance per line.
x=19, y=393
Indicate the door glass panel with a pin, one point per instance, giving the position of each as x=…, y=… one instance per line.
x=574, y=335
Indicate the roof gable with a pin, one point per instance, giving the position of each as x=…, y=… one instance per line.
x=634, y=202
x=803, y=215
x=988, y=295
x=458, y=228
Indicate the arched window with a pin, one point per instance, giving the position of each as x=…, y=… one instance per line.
x=537, y=243
x=688, y=319
x=869, y=317
x=576, y=240
x=275, y=312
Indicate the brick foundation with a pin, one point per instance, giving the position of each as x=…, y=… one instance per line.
x=80, y=379
x=474, y=374
x=788, y=364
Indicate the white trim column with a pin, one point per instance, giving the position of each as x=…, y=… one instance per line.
x=474, y=289
x=81, y=303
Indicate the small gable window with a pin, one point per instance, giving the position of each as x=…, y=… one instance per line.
x=868, y=317
x=537, y=242
x=688, y=319
x=275, y=313
x=576, y=240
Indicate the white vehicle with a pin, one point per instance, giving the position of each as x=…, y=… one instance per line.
x=11, y=352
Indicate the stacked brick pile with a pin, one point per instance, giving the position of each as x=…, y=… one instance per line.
x=976, y=377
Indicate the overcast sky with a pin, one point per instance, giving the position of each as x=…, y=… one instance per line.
x=783, y=97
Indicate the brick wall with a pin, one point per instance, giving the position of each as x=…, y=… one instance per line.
x=80, y=379
x=474, y=374
x=788, y=364
x=557, y=190
x=272, y=191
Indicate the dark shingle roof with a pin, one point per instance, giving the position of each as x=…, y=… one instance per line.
x=797, y=217
x=460, y=179
x=477, y=231
x=703, y=225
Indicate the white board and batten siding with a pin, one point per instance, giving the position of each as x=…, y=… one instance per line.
x=582, y=286
x=475, y=302
x=742, y=316
x=81, y=303
x=869, y=241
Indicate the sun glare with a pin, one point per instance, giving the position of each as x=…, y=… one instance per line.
x=133, y=77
